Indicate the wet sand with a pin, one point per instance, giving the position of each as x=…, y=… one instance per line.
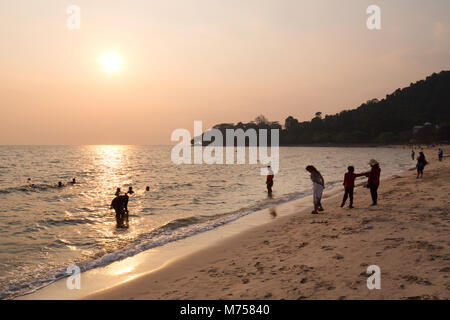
x=305, y=256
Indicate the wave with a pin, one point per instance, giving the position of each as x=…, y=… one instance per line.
x=33, y=188
x=66, y=221
x=172, y=231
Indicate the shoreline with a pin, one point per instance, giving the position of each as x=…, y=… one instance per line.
x=139, y=263
x=301, y=256
x=150, y=260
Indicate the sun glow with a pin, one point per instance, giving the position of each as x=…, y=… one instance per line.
x=111, y=61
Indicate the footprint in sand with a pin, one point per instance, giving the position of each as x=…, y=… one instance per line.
x=302, y=245
x=417, y=280
x=423, y=297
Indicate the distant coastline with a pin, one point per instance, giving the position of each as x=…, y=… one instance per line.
x=418, y=114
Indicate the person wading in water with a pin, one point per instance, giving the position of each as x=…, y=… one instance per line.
x=120, y=206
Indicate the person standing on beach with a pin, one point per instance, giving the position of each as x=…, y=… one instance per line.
x=374, y=180
x=318, y=186
x=269, y=180
x=440, y=154
x=349, y=185
x=413, y=155
x=130, y=190
x=421, y=163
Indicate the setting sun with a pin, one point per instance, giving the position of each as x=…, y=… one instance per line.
x=111, y=61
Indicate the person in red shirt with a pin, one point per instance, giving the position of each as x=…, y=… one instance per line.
x=349, y=185
x=374, y=180
x=269, y=180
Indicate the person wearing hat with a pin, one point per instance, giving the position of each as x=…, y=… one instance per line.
x=374, y=180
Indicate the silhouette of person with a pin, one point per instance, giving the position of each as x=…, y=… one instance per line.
x=421, y=163
x=440, y=154
x=120, y=206
x=269, y=180
x=130, y=190
x=318, y=186
x=60, y=184
x=74, y=181
x=374, y=180
x=147, y=188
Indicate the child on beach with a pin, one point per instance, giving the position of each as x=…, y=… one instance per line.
x=318, y=186
x=349, y=185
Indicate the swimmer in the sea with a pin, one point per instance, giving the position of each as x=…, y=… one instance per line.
x=130, y=190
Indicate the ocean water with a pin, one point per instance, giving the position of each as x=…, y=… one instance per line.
x=44, y=229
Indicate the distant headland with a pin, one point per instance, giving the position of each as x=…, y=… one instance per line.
x=419, y=113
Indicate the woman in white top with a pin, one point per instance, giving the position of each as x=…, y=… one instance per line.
x=318, y=186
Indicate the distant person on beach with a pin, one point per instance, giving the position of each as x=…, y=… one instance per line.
x=117, y=192
x=74, y=181
x=147, y=188
x=440, y=154
x=60, y=184
x=374, y=180
x=421, y=163
x=130, y=190
x=318, y=186
x=413, y=155
x=349, y=185
x=269, y=180
x=120, y=206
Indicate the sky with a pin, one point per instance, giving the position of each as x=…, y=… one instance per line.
x=218, y=61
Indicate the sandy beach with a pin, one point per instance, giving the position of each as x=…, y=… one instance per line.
x=325, y=256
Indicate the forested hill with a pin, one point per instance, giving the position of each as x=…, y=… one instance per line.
x=387, y=121
x=390, y=120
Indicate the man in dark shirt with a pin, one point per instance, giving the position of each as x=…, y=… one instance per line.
x=120, y=205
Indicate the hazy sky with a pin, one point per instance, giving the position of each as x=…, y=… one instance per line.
x=210, y=60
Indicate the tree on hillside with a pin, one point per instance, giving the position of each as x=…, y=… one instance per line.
x=261, y=121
